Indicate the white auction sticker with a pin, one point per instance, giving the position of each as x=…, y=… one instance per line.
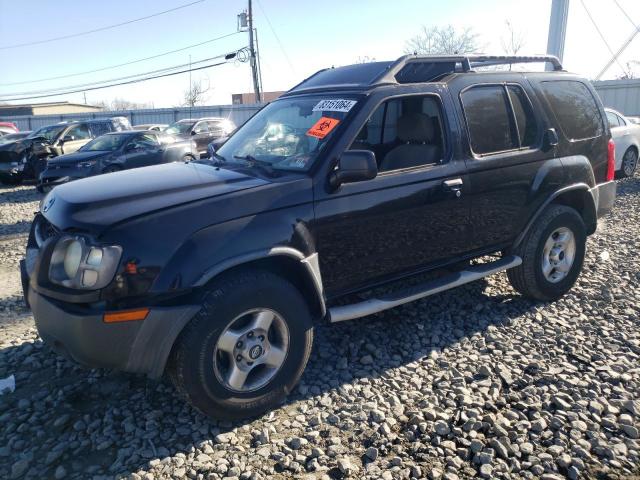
x=334, y=105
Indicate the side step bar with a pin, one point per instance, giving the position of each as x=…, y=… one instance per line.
x=394, y=299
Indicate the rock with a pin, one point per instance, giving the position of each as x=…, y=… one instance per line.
x=346, y=467
x=630, y=431
x=442, y=428
x=372, y=453
x=60, y=473
x=377, y=416
x=19, y=468
x=366, y=360
x=486, y=471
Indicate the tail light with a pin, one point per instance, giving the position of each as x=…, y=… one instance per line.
x=611, y=161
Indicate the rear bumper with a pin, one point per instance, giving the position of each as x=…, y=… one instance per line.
x=604, y=196
x=81, y=334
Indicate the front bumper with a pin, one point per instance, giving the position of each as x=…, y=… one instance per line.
x=58, y=175
x=80, y=333
x=604, y=196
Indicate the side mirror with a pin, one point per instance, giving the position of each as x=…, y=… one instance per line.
x=68, y=138
x=130, y=147
x=193, y=132
x=550, y=139
x=354, y=166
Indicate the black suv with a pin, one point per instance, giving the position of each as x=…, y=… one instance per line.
x=360, y=176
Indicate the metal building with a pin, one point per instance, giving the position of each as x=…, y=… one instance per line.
x=621, y=95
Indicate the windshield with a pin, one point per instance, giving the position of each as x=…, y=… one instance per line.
x=288, y=133
x=105, y=143
x=50, y=132
x=179, y=128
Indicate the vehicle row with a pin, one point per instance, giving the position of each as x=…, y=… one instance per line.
x=70, y=150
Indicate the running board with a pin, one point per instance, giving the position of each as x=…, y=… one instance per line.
x=394, y=299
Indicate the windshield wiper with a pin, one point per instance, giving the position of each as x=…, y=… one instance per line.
x=253, y=161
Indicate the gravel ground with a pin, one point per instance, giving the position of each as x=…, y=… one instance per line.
x=476, y=382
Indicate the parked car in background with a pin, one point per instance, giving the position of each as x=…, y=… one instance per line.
x=12, y=137
x=156, y=127
x=202, y=130
x=24, y=159
x=7, y=128
x=626, y=136
x=114, y=152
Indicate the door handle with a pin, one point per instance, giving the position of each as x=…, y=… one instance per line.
x=454, y=185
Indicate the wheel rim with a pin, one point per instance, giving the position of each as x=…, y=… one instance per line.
x=251, y=350
x=558, y=254
x=629, y=163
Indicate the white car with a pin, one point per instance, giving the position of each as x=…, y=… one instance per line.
x=626, y=136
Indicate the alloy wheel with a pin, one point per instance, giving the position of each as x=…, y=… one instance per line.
x=251, y=350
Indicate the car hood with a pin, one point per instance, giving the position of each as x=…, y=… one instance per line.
x=77, y=157
x=16, y=146
x=96, y=203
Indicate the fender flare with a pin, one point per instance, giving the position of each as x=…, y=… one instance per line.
x=575, y=187
x=310, y=265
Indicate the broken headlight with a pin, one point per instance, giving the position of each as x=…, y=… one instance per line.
x=76, y=263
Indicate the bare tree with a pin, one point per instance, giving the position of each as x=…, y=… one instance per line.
x=513, y=41
x=629, y=72
x=196, y=94
x=445, y=40
x=124, y=104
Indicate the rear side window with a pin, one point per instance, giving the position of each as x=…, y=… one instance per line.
x=575, y=108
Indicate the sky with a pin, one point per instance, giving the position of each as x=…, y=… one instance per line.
x=295, y=40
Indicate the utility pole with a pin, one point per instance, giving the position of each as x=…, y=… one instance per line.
x=557, y=29
x=252, y=53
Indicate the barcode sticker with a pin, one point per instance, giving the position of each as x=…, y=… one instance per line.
x=334, y=105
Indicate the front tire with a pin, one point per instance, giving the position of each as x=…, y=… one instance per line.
x=552, y=254
x=629, y=163
x=247, y=347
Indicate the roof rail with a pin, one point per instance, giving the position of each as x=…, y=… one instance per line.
x=466, y=63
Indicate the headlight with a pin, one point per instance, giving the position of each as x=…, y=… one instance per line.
x=88, y=164
x=76, y=263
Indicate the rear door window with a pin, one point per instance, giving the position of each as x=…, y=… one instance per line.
x=525, y=119
x=99, y=128
x=575, y=109
x=488, y=116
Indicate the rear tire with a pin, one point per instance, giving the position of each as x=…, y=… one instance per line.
x=552, y=254
x=629, y=163
x=214, y=346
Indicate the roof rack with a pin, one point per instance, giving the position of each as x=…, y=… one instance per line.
x=466, y=63
x=409, y=69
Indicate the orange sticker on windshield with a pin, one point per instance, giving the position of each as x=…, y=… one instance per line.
x=323, y=127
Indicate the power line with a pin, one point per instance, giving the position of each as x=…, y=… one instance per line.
x=88, y=86
x=601, y=35
x=108, y=27
x=284, y=52
x=125, y=83
x=121, y=64
x=98, y=82
x=626, y=15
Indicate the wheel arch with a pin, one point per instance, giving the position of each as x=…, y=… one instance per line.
x=578, y=197
x=302, y=271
